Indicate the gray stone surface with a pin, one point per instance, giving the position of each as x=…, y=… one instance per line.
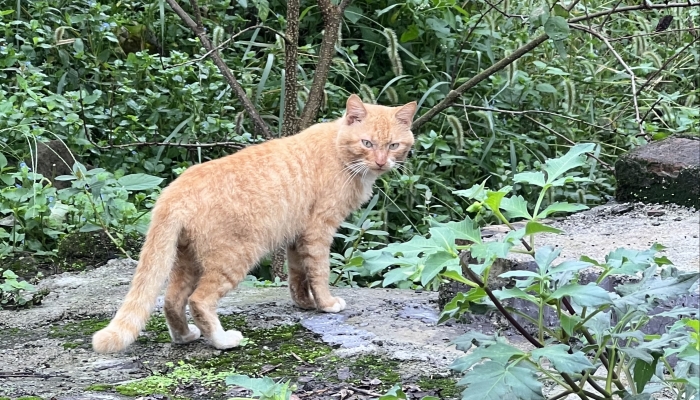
x=667, y=171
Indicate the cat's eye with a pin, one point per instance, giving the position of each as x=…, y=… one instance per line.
x=393, y=146
x=367, y=143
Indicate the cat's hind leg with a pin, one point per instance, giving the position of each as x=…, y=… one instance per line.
x=183, y=280
x=221, y=273
x=298, y=282
x=314, y=249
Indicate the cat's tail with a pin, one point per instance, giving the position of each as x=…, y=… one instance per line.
x=156, y=261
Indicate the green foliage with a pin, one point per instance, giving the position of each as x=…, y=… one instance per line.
x=262, y=388
x=15, y=293
x=597, y=336
x=178, y=374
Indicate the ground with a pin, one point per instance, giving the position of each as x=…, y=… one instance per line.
x=383, y=337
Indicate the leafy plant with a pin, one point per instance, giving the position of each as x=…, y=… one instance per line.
x=597, y=347
x=15, y=293
x=262, y=388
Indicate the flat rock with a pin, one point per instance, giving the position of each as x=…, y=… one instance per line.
x=667, y=171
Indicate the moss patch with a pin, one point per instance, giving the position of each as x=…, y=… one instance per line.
x=99, y=387
x=443, y=387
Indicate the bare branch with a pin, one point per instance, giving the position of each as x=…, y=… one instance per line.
x=454, y=94
x=232, y=145
x=633, y=77
x=196, y=27
x=659, y=6
x=226, y=42
x=499, y=110
x=651, y=34
x=332, y=16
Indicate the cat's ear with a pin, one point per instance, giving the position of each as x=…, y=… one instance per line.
x=405, y=114
x=354, y=110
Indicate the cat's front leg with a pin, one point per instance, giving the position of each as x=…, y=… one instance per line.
x=298, y=282
x=314, y=249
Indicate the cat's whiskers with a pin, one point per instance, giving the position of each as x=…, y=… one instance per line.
x=354, y=168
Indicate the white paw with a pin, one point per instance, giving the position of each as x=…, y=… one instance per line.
x=226, y=339
x=338, y=306
x=193, y=335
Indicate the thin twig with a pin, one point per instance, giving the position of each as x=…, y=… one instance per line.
x=226, y=42
x=571, y=142
x=633, y=78
x=233, y=145
x=665, y=64
x=659, y=6
x=365, y=391
x=513, y=112
x=650, y=34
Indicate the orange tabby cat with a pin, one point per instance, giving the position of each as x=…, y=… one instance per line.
x=213, y=223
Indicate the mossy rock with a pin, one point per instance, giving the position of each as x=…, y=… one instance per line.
x=78, y=250
x=26, y=267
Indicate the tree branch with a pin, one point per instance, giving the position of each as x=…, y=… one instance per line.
x=633, y=77
x=454, y=94
x=659, y=6
x=332, y=15
x=198, y=29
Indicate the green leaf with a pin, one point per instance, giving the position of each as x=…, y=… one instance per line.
x=412, y=33
x=650, y=288
x=515, y=207
x=533, y=178
x=465, y=230
x=476, y=192
x=545, y=88
x=590, y=295
x=562, y=361
x=561, y=207
x=395, y=393
x=3, y=161
x=456, y=276
x=139, y=181
x=642, y=372
x=353, y=13
x=443, y=237
x=569, y=322
x=498, y=352
x=435, y=263
x=461, y=303
x=556, y=167
x=469, y=339
x=503, y=294
x=494, y=381
x=534, y=227
x=261, y=387
x=559, y=10
x=556, y=28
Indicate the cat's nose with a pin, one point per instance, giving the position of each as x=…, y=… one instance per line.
x=380, y=164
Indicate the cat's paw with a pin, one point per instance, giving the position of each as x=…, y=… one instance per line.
x=306, y=302
x=338, y=306
x=191, y=336
x=226, y=339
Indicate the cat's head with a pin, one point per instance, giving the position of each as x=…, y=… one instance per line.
x=372, y=138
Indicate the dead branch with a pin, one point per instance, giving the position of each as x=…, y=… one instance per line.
x=332, y=15
x=633, y=77
x=659, y=6
x=198, y=29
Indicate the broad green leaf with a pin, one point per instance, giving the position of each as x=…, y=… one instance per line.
x=411, y=33
x=556, y=27
x=545, y=256
x=139, y=181
x=461, y=303
x=3, y=161
x=562, y=361
x=493, y=200
x=465, y=230
x=434, y=264
x=353, y=13
x=559, y=10
x=376, y=261
x=642, y=372
x=397, y=275
x=469, y=339
x=455, y=276
x=503, y=294
x=533, y=178
x=575, y=157
x=534, y=227
x=569, y=179
x=476, y=192
x=651, y=288
x=443, y=237
x=515, y=207
x=590, y=295
x=545, y=88
x=495, y=381
x=498, y=352
x=571, y=265
x=561, y=207
x=569, y=322
x=395, y=393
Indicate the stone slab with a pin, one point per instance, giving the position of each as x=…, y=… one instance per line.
x=667, y=171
